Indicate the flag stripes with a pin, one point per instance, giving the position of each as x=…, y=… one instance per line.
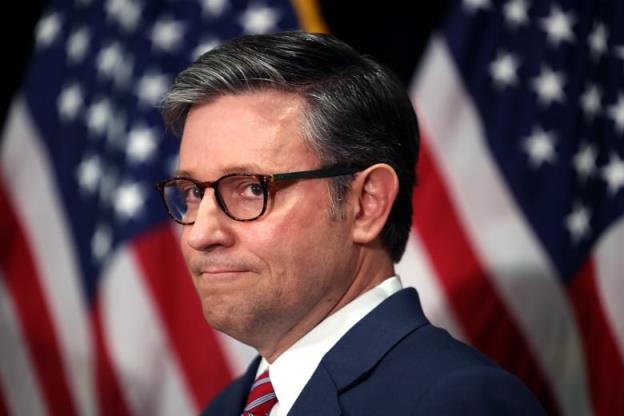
x=21, y=278
x=48, y=240
x=179, y=309
x=20, y=390
x=109, y=394
x=605, y=370
x=568, y=333
x=475, y=302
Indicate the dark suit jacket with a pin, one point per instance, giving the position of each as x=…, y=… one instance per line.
x=394, y=362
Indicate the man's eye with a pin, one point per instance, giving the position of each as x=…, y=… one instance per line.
x=252, y=190
x=191, y=192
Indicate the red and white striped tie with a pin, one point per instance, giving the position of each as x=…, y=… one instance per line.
x=261, y=397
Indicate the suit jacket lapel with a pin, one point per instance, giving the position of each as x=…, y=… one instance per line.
x=358, y=351
x=238, y=392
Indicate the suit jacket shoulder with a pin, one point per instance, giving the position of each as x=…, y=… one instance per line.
x=395, y=362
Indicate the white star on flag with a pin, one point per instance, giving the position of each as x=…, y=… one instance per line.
x=558, y=26
x=101, y=242
x=549, y=86
x=204, y=46
x=598, y=40
x=613, y=174
x=474, y=5
x=516, y=12
x=167, y=34
x=126, y=12
x=577, y=222
x=540, y=146
x=48, y=29
x=129, y=200
x=70, y=101
x=504, y=69
x=151, y=87
x=108, y=59
x=214, y=8
x=77, y=45
x=590, y=101
x=98, y=116
x=257, y=19
x=616, y=113
x=584, y=161
x=89, y=173
x=142, y=144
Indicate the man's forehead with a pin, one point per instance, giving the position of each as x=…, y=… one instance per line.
x=256, y=132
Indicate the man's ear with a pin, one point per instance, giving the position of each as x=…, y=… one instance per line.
x=375, y=189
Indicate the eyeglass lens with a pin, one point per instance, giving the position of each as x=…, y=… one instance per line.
x=241, y=197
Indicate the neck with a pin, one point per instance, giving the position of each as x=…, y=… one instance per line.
x=373, y=267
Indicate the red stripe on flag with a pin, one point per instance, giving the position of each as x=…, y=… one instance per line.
x=110, y=399
x=23, y=284
x=484, y=318
x=193, y=340
x=604, y=365
x=4, y=409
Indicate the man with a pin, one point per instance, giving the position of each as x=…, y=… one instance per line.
x=296, y=168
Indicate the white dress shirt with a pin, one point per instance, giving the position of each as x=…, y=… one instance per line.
x=291, y=371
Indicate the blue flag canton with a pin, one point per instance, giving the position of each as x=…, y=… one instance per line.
x=93, y=89
x=546, y=79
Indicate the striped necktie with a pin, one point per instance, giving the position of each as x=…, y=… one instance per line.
x=261, y=397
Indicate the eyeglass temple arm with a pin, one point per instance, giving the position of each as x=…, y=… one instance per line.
x=319, y=173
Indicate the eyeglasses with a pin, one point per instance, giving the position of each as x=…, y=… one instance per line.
x=243, y=197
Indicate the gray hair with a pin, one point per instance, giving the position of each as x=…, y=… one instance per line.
x=356, y=112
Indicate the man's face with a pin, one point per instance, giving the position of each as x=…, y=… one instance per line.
x=272, y=279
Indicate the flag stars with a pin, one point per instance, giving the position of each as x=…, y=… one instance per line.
x=213, y=8
x=123, y=72
x=584, y=161
x=98, y=116
x=89, y=173
x=598, y=40
x=516, y=12
x=504, y=70
x=590, y=101
x=141, y=144
x=613, y=174
x=258, y=19
x=70, y=102
x=540, y=146
x=129, y=200
x=474, y=5
x=151, y=87
x=577, y=222
x=48, y=29
x=558, y=26
x=77, y=45
x=205, y=46
x=616, y=113
x=126, y=12
x=549, y=86
x=101, y=242
x=108, y=186
x=108, y=59
x=167, y=34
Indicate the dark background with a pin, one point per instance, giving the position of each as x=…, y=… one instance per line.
x=394, y=32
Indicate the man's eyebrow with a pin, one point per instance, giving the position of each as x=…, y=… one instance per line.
x=248, y=168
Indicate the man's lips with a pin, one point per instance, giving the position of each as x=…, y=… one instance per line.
x=223, y=271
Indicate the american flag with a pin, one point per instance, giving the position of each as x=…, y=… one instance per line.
x=97, y=312
x=518, y=235
x=517, y=245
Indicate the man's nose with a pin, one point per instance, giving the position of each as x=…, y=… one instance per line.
x=210, y=228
